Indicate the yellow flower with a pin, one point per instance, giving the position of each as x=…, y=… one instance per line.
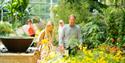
x=89, y=52
x=101, y=60
x=84, y=49
x=118, y=53
x=44, y=41
x=117, y=57
x=101, y=53
x=88, y=59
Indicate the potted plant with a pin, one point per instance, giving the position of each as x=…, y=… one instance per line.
x=13, y=43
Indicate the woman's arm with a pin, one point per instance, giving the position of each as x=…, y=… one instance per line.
x=41, y=35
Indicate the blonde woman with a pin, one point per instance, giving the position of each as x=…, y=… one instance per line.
x=47, y=33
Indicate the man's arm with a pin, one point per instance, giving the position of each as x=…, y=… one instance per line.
x=79, y=35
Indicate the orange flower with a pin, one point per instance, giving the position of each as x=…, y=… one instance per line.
x=113, y=49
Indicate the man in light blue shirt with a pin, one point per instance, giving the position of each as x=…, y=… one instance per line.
x=70, y=31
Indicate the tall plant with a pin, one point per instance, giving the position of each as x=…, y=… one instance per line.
x=94, y=32
x=114, y=18
x=65, y=8
x=16, y=10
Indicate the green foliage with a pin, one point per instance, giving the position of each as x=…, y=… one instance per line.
x=16, y=10
x=94, y=32
x=106, y=25
x=16, y=24
x=5, y=28
x=116, y=3
x=72, y=43
x=114, y=18
x=78, y=8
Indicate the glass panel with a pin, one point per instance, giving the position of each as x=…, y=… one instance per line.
x=41, y=8
x=54, y=1
x=47, y=8
x=48, y=1
x=35, y=9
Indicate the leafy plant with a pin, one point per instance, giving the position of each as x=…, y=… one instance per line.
x=72, y=43
x=94, y=32
x=107, y=26
x=78, y=8
x=95, y=55
x=114, y=18
x=5, y=28
x=15, y=10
